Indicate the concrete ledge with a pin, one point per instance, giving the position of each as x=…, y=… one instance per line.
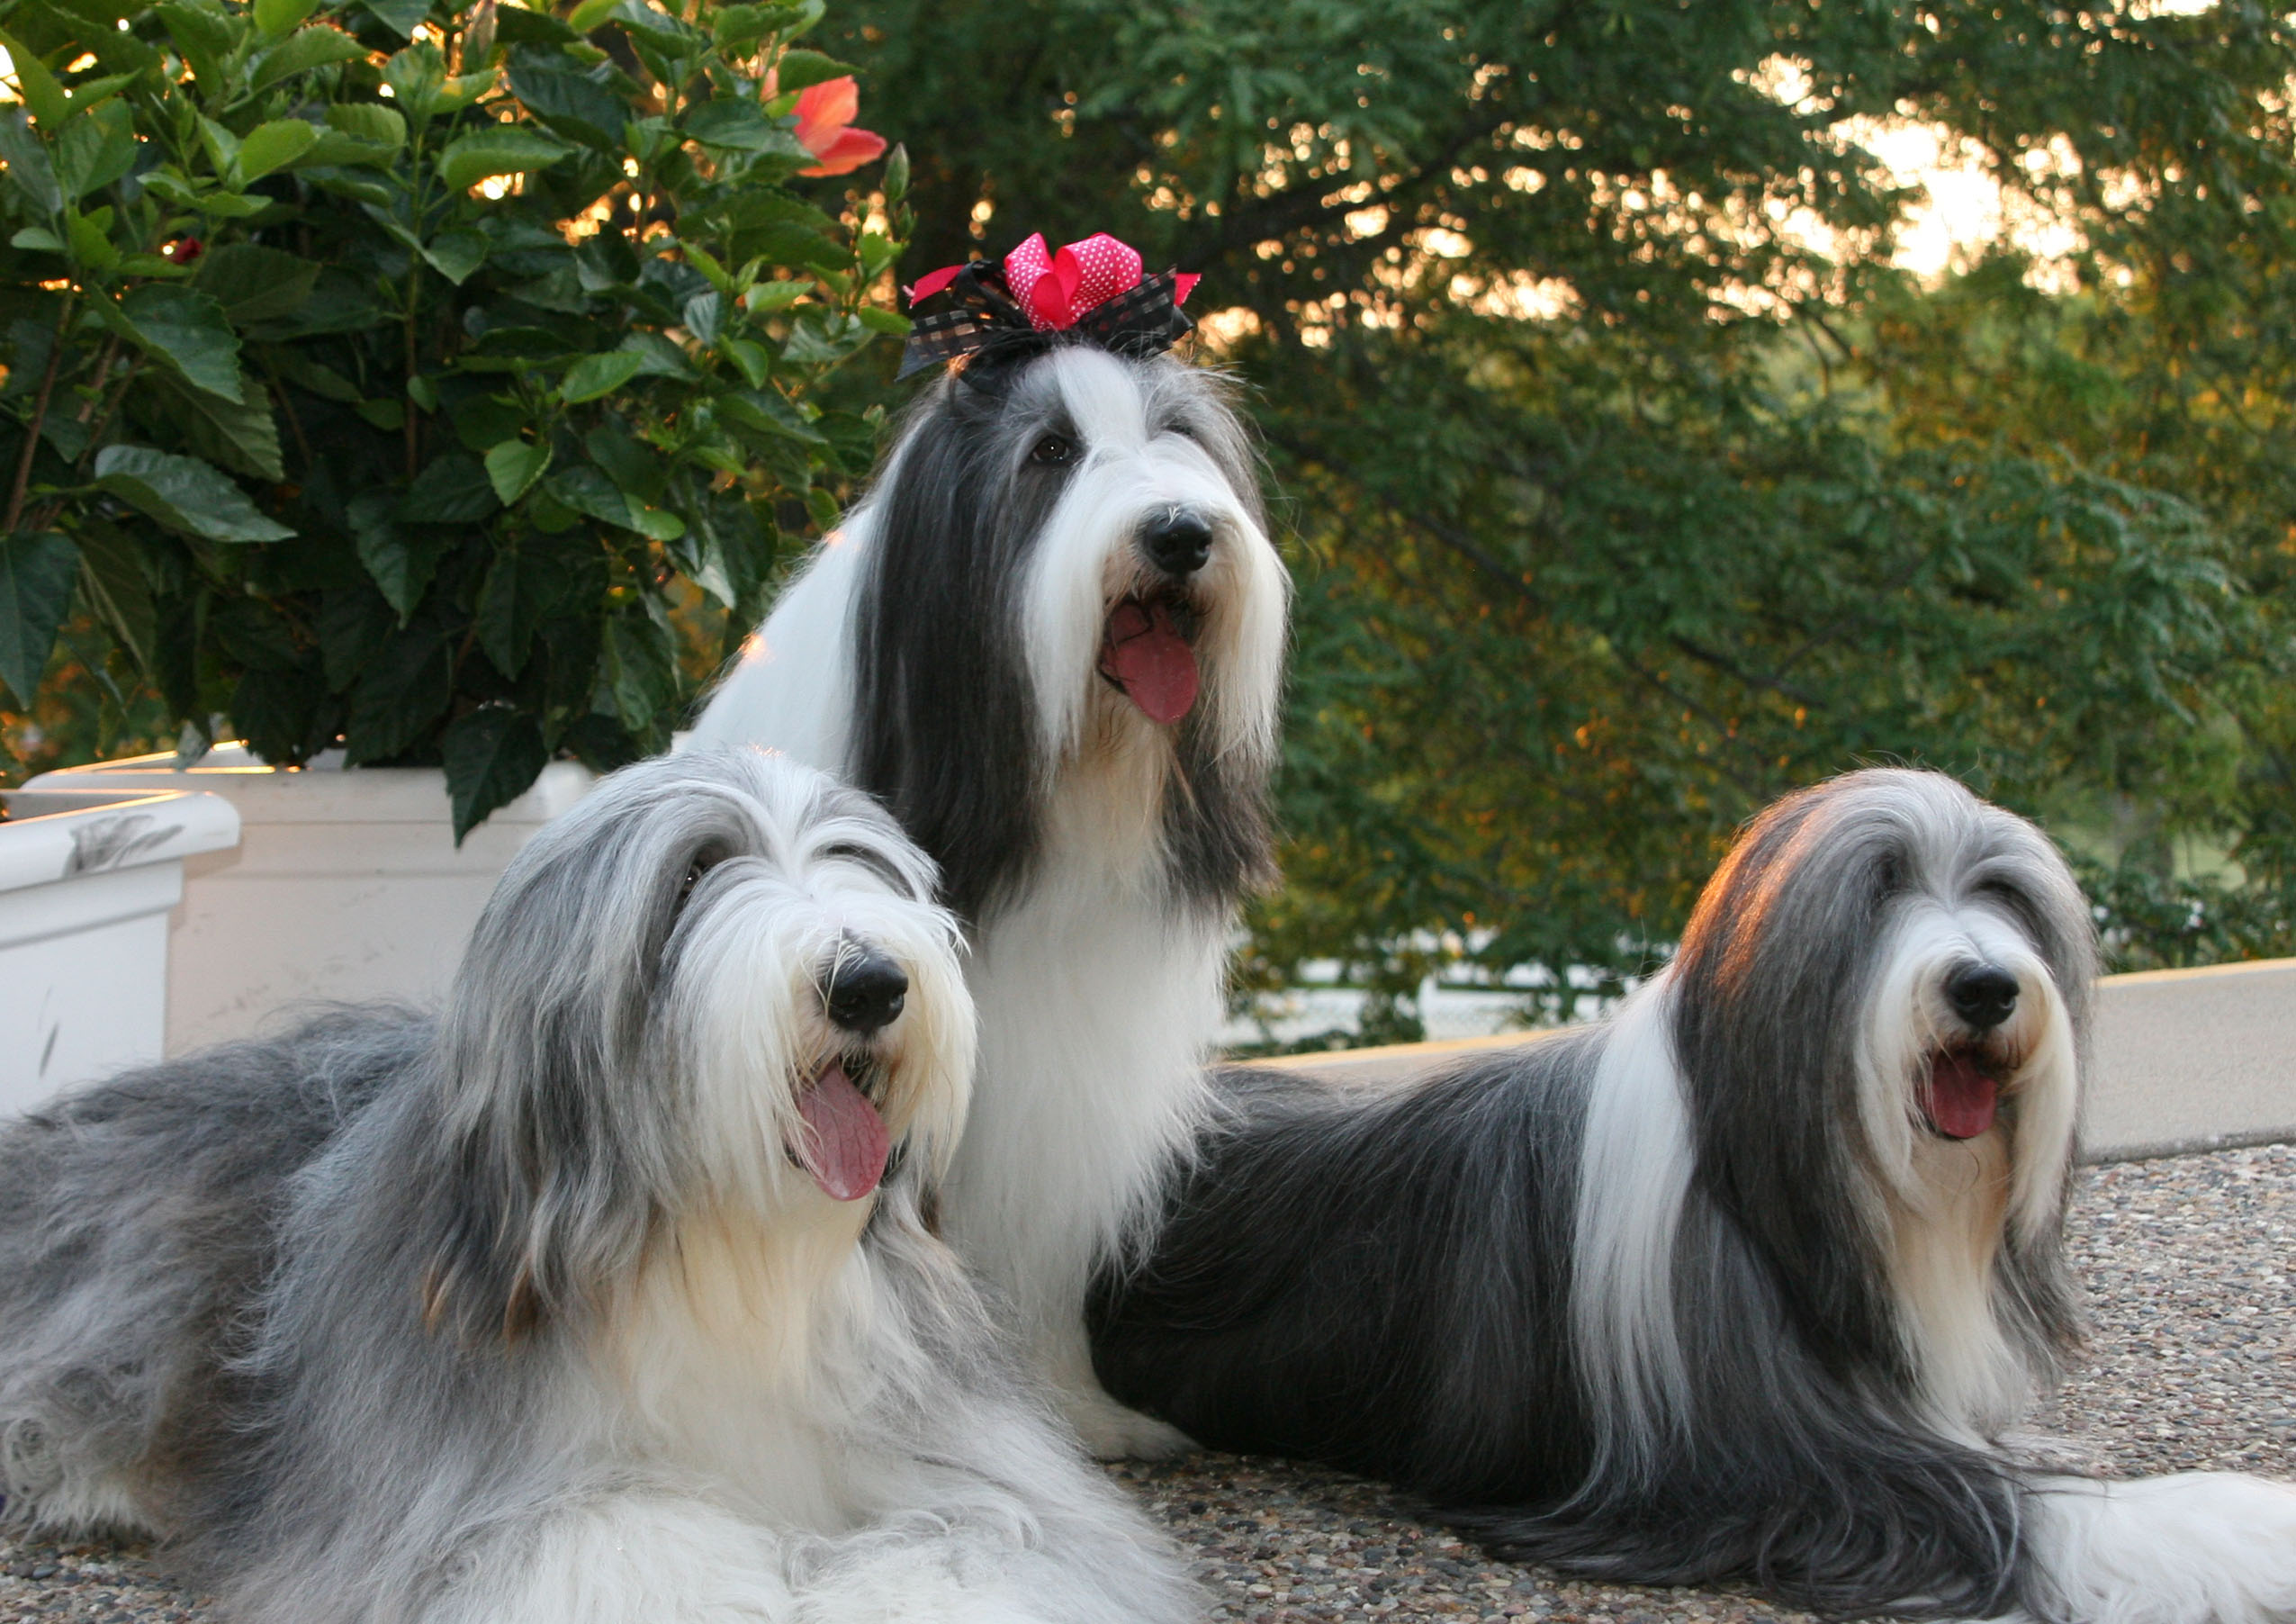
x=2186, y=1061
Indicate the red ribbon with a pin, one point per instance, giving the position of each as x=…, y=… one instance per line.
x=1056, y=288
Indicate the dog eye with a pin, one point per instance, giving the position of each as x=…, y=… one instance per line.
x=1054, y=450
x=702, y=864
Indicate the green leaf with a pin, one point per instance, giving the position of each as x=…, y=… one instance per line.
x=765, y=411
x=183, y=493
x=516, y=25
x=766, y=297
x=118, y=590
x=242, y=436
x=595, y=376
x=37, y=572
x=404, y=690
x=253, y=282
x=34, y=238
x=40, y=93
x=649, y=25
x=453, y=490
x=96, y=151
x=518, y=593
x=801, y=70
x=504, y=149
x=750, y=357
x=737, y=28
x=589, y=14
x=369, y=122
x=273, y=146
x=492, y=756
x=90, y=245
x=457, y=253
x=354, y=621
x=275, y=17
x=400, y=561
x=29, y=171
x=204, y=39
x=572, y=101
x=417, y=77
x=513, y=466
x=656, y=524
x=189, y=331
x=303, y=50
x=701, y=316
x=230, y=205
x=738, y=124
x=586, y=490
x=222, y=146
x=401, y=17
x=333, y=148
x=641, y=675
x=893, y=324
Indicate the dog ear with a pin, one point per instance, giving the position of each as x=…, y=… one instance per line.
x=556, y=1152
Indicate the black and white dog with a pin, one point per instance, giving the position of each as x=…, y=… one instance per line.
x=1050, y=639
x=1743, y=1283
x=604, y=1298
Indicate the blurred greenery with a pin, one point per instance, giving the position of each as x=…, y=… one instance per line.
x=1631, y=481
x=1634, y=484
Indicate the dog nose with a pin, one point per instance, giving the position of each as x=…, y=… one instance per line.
x=865, y=990
x=1983, y=994
x=1178, y=543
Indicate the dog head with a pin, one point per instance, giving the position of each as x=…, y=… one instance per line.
x=718, y=982
x=1881, y=1007
x=1070, y=575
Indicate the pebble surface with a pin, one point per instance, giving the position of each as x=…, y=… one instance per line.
x=2191, y=1269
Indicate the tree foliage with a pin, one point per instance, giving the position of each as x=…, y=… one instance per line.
x=1634, y=484
x=385, y=373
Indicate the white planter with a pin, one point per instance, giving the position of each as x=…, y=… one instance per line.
x=346, y=883
x=87, y=879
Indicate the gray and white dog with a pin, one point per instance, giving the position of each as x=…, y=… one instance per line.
x=607, y=1294
x=1745, y=1283
x=1050, y=639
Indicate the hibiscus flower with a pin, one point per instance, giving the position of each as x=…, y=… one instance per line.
x=825, y=127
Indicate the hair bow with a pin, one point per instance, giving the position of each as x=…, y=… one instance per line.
x=1092, y=290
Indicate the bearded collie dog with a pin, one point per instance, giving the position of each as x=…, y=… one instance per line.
x=1050, y=639
x=1743, y=1284
x=608, y=1296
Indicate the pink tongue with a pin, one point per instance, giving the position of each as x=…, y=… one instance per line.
x=1148, y=658
x=846, y=1148
x=1961, y=1097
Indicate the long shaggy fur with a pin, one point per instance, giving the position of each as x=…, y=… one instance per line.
x=943, y=652
x=528, y=1312
x=1704, y=1292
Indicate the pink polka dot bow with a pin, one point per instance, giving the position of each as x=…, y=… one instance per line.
x=1092, y=290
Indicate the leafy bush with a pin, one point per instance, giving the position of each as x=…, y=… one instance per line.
x=387, y=372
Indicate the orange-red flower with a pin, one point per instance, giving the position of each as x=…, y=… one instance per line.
x=825, y=128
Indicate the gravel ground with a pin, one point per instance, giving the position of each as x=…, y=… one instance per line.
x=2191, y=1265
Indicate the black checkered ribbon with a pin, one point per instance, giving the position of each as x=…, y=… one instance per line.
x=983, y=315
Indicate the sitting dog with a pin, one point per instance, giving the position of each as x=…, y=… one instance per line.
x=605, y=1295
x=1743, y=1284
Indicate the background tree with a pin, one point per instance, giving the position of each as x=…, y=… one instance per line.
x=1634, y=485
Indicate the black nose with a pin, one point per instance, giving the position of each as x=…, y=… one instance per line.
x=1178, y=543
x=1983, y=994
x=865, y=990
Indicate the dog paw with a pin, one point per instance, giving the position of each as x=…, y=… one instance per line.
x=2199, y=1548
x=1113, y=1432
